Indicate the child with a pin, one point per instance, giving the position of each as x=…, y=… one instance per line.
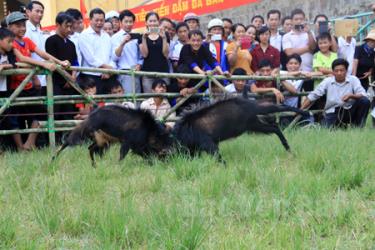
x=7, y=59
x=23, y=47
x=114, y=87
x=293, y=65
x=324, y=58
x=88, y=85
x=266, y=86
x=238, y=85
x=184, y=86
x=159, y=106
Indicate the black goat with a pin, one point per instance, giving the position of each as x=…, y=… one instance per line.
x=203, y=129
x=134, y=129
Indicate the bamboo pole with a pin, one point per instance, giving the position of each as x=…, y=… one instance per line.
x=73, y=99
x=32, y=130
x=50, y=110
x=190, y=76
x=217, y=83
x=210, y=89
x=133, y=86
x=62, y=123
x=8, y=72
x=65, y=74
x=183, y=100
x=17, y=92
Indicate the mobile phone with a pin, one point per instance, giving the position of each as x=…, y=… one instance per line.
x=299, y=27
x=154, y=30
x=216, y=37
x=323, y=27
x=245, y=42
x=135, y=36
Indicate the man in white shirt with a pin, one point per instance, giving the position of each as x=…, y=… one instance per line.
x=347, y=101
x=95, y=48
x=77, y=28
x=346, y=50
x=273, y=23
x=126, y=53
x=300, y=41
x=35, y=12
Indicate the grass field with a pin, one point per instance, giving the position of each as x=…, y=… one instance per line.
x=320, y=197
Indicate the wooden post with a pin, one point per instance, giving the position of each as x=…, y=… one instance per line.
x=51, y=119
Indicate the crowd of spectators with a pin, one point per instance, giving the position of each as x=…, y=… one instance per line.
x=269, y=46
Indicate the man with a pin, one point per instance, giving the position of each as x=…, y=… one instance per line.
x=35, y=12
x=286, y=24
x=228, y=24
x=273, y=23
x=238, y=85
x=114, y=18
x=167, y=25
x=300, y=41
x=346, y=98
x=257, y=21
x=126, y=53
x=95, y=47
x=76, y=29
x=268, y=86
x=63, y=49
x=198, y=57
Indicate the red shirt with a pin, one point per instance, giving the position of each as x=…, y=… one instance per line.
x=272, y=54
x=265, y=84
x=26, y=47
x=82, y=105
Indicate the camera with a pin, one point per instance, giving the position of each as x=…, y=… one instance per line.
x=216, y=37
x=154, y=30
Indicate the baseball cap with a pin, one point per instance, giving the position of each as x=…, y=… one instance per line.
x=15, y=16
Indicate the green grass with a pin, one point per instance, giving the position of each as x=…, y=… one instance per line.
x=320, y=197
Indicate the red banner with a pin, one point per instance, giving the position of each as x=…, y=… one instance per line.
x=176, y=9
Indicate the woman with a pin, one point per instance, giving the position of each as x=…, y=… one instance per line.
x=251, y=32
x=265, y=51
x=154, y=49
x=364, y=56
x=238, y=52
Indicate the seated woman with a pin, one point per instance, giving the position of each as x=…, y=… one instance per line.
x=159, y=106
